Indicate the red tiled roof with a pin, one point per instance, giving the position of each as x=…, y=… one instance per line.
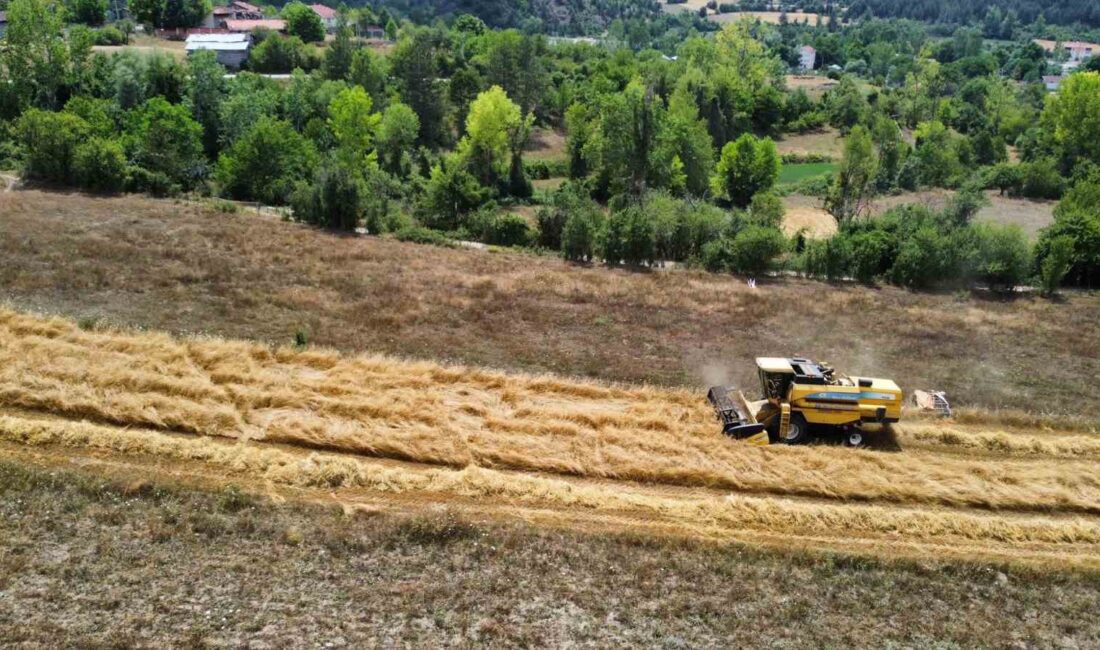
x=323, y=11
x=245, y=6
x=249, y=25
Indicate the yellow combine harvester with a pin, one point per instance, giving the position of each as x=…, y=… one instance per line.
x=801, y=396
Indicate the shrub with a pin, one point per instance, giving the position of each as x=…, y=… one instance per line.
x=490, y=227
x=717, y=255
x=767, y=209
x=280, y=55
x=869, y=254
x=920, y=261
x=422, y=235
x=139, y=179
x=333, y=200
x=630, y=237
x=304, y=23
x=754, y=249
x=99, y=165
x=1002, y=255
x=49, y=141
x=266, y=163
x=580, y=235
x=1057, y=264
x=1040, y=179
x=110, y=35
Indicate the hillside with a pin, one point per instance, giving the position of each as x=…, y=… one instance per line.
x=183, y=268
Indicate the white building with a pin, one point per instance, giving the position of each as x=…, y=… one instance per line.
x=807, y=57
x=1053, y=82
x=230, y=49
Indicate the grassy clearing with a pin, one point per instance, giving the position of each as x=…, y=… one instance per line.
x=1030, y=214
x=73, y=547
x=826, y=142
x=185, y=269
x=791, y=174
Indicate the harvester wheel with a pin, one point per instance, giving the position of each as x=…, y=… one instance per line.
x=854, y=438
x=798, y=432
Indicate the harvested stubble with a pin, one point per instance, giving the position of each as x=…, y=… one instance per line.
x=454, y=416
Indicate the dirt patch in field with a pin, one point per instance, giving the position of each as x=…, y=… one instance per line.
x=805, y=212
x=826, y=142
x=546, y=144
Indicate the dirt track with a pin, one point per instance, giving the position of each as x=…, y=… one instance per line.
x=375, y=432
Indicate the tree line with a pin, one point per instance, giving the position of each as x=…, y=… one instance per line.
x=668, y=158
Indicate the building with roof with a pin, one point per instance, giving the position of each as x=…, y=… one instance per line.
x=1053, y=82
x=249, y=26
x=231, y=50
x=236, y=10
x=3, y=23
x=807, y=57
x=328, y=16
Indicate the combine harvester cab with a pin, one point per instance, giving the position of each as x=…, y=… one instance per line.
x=801, y=396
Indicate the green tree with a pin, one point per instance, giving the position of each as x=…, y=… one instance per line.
x=281, y=55
x=266, y=162
x=580, y=235
x=391, y=29
x=755, y=248
x=164, y=138
x=846, y=104
x=766, y=209
x=206, y=90
x=630, y=237
x=147, y=12
x=89, y=12
x=303, y=22
x=687, y=137
x=353, y=125
x=1003, y=255
x=396, y=136
x=333, y=200
x=98, y=113
x=1057, y=263
x=490, y=127
x=49, y=141
x=450, y=195
x=35, y=54
x=416, y=68
x=849, y=197
x=338, y=56
x=936, y=157
x=1073, y=112
x=182, y=13
x=516, y=62
x=747, y=166
x=251, y=98
x=99, y=165
x=370, y=71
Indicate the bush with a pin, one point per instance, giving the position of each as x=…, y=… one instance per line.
x=422, y=235
x=490, y=227
x=141, y=180
x=920, y=261
x=767, y=209
x=266, y=163
x=1040, y=180
x=1003, y=255
x=869, y=254
x=754, y=249
x=333, y=200
x=580, y=235
x=717, y=255
x=281, y=55
x=303, y=23
x=110, y=35
x=1057, y=264
x=630, y=237
x=99, y=165
x=49, y=141
x=543, y=169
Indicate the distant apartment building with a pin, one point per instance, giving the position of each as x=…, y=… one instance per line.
x=807, y=57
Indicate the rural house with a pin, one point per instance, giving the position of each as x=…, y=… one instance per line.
x=807, y=57
x=328, y=16
x=231, y=50
x=249, y=26
x=374, y=32
x=235, y=10
x=1053, y=82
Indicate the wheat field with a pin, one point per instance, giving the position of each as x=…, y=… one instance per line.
x=317, y=418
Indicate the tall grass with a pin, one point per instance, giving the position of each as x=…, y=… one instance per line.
x=460, y=417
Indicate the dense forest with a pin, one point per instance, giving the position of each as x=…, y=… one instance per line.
x=669, y=154
x=1060, y=12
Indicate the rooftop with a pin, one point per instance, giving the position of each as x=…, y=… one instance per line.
x=249, y=25
x=323, y=11
x=218, y=42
